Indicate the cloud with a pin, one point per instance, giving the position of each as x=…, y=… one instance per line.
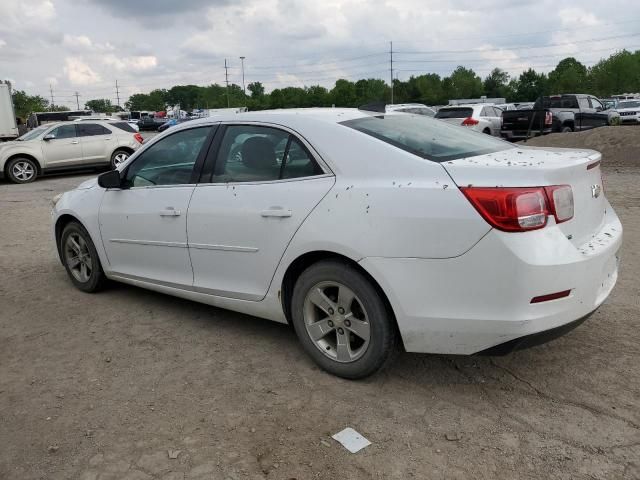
x=577, y=16
x=79, y=73
x=76, y=41
x=136, y=63
x=142, y=10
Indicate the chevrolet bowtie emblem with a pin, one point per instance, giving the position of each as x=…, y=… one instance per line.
x=595, y=190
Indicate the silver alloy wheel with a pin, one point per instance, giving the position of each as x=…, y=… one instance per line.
x=336, y=321
x=23, y=170
x=120, y=158
x=78, y=257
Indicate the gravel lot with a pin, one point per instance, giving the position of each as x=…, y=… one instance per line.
x=112, y=385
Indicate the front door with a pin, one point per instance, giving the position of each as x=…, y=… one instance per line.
x=144, y=224
x=265, y=182
x=62, y=147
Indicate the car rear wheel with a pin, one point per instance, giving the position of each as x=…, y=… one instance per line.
x=81, y=259
x=487, y=131
x=341, y=321
x=119, y=157
x=22, y=170
x=567, y=129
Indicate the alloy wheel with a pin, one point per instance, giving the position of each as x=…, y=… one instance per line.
x=119, y=158
x=23, y=171
x=78, y=257
x=336, y=321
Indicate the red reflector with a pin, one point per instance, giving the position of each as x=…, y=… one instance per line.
x=593, y=165
x=138, y=138
x=551, y=296
x=469, y=122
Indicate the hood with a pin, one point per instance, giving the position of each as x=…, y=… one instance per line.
x=87, y=184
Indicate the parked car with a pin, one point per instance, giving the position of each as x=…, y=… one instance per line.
x=67, y=146
x=506, y=106
x=150, y=123
x=173, y=122
x=382, y=224
x=525, y=105
x=417, y=108
x=558, y=113
x=478, y=116
x=629, y=111
x=132, y=123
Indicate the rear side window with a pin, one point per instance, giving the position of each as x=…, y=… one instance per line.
x=250, y=153
x=123, y=126
x=426, y=137
x=91, y=129
x=454, y=112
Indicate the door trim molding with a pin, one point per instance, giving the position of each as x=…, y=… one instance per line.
x=149, y=242
x=226, y=248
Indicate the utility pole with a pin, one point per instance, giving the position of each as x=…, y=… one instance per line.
x=117, y=93
x=391, y=67
x=243, y=89
x=51, y=91
x=226, y=79
x=77, y=99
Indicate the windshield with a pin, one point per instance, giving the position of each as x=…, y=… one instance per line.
x=629, y=105
x=35, y=133
x=454, y=113
x=426, y=137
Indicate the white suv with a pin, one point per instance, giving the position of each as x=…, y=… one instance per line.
x=65, y=146
x=481, y=117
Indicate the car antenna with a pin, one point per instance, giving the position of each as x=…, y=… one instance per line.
x=380, y=107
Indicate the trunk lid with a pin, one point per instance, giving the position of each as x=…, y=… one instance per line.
x=538, y=167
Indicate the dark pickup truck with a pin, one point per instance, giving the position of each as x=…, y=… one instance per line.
x=558, y=113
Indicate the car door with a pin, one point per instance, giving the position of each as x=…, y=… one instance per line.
x=264, y=183
x=61, y=147
x=143, y=224
x=97, y=142
x=487, y=114
x=600, y=113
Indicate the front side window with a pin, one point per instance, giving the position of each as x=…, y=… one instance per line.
x=595, y=103
x=250, y=153
x=169, y=161
x=584, y=103
x=428, y=138
x=91, y=129
x=64, y=131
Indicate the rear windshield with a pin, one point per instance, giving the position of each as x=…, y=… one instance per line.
x=454, y=113
x=426, y=137
x=568, y=101
x=123, y=126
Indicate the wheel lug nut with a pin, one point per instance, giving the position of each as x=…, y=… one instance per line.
x=330, y=323
x=341, y=331
x=341, y=310
x=331, y=311
x=347, y=323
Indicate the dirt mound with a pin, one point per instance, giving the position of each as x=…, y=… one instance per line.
x=620, y=146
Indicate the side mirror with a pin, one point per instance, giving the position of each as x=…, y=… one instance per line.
x=110, y=179
x=599, y=109
x=49, y=136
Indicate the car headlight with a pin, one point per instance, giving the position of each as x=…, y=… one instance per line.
x=55, y=199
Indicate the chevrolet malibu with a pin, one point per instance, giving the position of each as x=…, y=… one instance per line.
x=358, y=229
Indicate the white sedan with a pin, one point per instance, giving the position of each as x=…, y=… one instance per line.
x=356, y=228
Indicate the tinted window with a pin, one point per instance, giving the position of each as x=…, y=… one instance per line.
x=595, y=103
x=567, y=101
x=169, y=161
x=259, y=154
x=461, y=112
x=583, y=102
x=64, y=131
x=123, y=126
x=426, y=137
x=91, y=129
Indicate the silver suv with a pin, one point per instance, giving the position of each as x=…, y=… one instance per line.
x=66, y=146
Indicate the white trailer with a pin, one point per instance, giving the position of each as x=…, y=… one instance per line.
x=8, y=126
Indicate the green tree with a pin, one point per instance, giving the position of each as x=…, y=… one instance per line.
x=464, y=83
x=496, y=85
x=256, y=89
x=371, y=90
x=530, y=86
x=619, y=73
x=569, y=76
x=102, y=105
x=24, y=104
x=343, y=94
x=427, y=89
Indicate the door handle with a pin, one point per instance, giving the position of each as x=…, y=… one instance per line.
x=75, y=142
x=169, y=212
x=106, y=139
x=276, y=212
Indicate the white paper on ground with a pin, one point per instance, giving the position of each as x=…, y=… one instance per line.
x=351, y=440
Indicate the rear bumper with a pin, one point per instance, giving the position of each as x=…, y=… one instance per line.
x=482, y=299
x=522, y=134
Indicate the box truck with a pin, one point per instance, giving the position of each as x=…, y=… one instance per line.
x=8, y=125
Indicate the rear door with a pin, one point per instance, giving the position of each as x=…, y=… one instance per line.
x=262, y=184
x=490, y=115
x=97, y=141
x=63, y=149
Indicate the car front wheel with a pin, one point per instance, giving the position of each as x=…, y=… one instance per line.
x=22, y=170
x=81, y=259
x=341, y=321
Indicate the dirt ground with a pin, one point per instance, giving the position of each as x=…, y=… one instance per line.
x=112, y=385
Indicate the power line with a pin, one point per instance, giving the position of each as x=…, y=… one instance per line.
x=391, y=67
x=226, y=79
x=77, y=95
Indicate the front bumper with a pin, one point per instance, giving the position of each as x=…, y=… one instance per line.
x=468, y=304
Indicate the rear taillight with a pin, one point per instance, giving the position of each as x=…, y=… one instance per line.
x=560, y=202
x=138, y=137
x=470, y=122
x=521, y=209
x=548, y=118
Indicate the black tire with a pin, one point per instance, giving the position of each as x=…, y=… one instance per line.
x=566, y=129
x=96, y=279
x=487, y=131
x=22, y=170
x=382, y=330
x=117, y=157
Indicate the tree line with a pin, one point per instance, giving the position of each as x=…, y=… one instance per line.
x=619, y=73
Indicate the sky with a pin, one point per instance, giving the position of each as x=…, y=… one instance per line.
x=85, y=46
